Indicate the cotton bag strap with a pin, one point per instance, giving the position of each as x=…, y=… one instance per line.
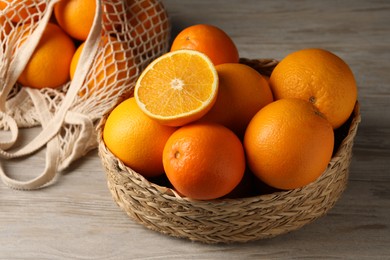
x=51, y=123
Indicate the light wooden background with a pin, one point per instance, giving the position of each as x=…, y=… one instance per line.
x=77, y=218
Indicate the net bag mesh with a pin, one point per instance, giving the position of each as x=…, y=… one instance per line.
x=125, y=37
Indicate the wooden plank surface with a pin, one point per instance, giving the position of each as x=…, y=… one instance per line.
x=77, y=218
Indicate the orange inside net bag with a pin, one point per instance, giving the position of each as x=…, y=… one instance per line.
x=103, y=59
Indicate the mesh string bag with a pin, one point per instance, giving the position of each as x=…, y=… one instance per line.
x=124, y=38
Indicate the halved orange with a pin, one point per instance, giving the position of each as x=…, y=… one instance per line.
x=177, y=88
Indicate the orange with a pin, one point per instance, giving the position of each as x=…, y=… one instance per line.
x=6, y=28
x=204, y=161
x=75, y=17
x=136, y=139
x=112, y=12
x=22, y=10
x=75, y=60
x=242, y=91
x=50, y=61
x=178, y=87
x=149, y=20
x=210, y=40
x=114, y=65
x=320, y=77
x=288, y=144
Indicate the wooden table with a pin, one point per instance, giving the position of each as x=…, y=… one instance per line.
x=77, y=218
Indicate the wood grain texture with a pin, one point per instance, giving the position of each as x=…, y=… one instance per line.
x=77, y=218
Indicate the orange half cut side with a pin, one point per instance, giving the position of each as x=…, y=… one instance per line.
x=178, y=87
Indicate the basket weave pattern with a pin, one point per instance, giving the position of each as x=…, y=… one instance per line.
x=229, y=220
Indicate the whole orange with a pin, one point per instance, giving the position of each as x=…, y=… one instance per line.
x=242, y=91
x=22, y=10
x=204, y=161
x=209, y=39
x=320, y=77
x=49, y=64
x=136, y=139
x=288, y=144
x=75, y=17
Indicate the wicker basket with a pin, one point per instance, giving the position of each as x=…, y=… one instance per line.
x=230, y=220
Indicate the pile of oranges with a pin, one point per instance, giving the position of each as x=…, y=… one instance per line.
x=57, y=54
x=49, y=65
x=211, y=124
